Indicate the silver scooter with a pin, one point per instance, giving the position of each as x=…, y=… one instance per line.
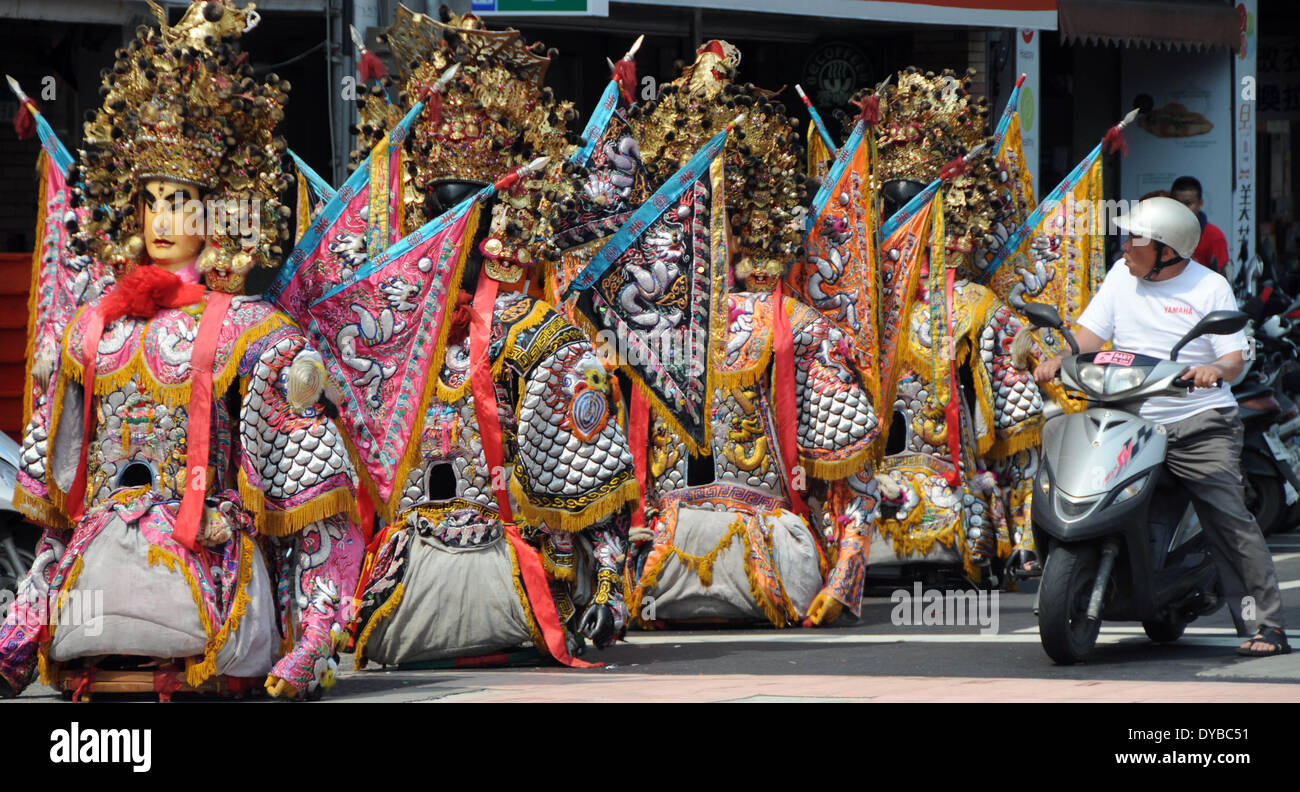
x=1122, y=540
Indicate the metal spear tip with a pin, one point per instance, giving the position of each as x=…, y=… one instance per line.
x=1130, y=118
x=880, y=88
x=446, y=77
x=357, y=38
x=16, y=88
x=636, y=45
x=610, y=63
x=973, y=152
x=736, y=122
x=535, y=165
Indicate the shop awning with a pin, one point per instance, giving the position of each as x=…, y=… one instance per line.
x=1169, y=24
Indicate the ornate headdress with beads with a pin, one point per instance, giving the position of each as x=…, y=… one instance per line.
x=181, y=104
x=765, y=186
x=929, y=123
x=493, y=117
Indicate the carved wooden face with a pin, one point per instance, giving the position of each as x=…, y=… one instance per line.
x=173, y=222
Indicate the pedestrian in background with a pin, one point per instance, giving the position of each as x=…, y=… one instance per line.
x=1212, y=250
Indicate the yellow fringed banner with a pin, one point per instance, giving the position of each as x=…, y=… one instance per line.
x=387, y=507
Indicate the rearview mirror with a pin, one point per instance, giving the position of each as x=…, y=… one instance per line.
x=1213, y=323
x=1042, y=315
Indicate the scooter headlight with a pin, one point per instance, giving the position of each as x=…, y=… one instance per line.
x=1122, y=379
x=1130, y=491
x=1092, y=377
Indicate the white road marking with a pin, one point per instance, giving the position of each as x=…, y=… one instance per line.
x=1111, y=635
x=1137, y=630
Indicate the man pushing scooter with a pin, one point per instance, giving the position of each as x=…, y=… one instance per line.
x=1145, y=307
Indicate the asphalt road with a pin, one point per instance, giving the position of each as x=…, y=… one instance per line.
x=874, y=659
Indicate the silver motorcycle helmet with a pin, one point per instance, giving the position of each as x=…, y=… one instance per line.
x=1167, y=222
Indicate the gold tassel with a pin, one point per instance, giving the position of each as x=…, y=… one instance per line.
x=198, y=673
x=42, y=165
x=49, y=669
x=516, y=577
x=834, y=470
x=573, y=522
x=40, y=510
x=136, y=370
x=340, y=500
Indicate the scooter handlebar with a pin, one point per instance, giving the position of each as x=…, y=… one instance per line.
x=1187, y=384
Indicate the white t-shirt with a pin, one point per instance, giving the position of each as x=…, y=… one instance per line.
x=1149, y=318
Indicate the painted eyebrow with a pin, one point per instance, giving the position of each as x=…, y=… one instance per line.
x=148, y=194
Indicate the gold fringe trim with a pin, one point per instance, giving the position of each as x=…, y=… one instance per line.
x=658, y=555
x=40, y=510
x=198, y=673
x=49, y=669
x=136, y=369
x=340, y=500
x=834, y=470
x=657, y=407
x=740, y=378
x=773, y=614
x=173, y=563
x=517, y=578
x=1023, y=440
x=42, y=166
x=702, y=566
x=385, y=611
x=573, y=522
x=302, y=209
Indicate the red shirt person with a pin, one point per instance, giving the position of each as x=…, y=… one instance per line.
x=1212, y=250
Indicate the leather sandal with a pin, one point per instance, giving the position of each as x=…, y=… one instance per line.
x=1273, y=636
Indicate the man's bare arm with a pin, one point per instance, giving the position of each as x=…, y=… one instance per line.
x=1088, y=342
x=1226, y=368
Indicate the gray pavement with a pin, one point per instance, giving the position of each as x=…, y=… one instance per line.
x=871, y=658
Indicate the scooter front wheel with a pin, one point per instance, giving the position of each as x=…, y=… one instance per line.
x=1063, y=626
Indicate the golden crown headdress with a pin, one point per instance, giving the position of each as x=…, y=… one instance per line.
x=491, y=118
x=765, y=186
x=929, y=121
x=181, y=104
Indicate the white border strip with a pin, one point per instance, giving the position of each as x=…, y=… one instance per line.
x=919, y=13
x=597, y=8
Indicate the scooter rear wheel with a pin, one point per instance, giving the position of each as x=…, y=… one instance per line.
x=1266, y=502
x=1068, y=636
